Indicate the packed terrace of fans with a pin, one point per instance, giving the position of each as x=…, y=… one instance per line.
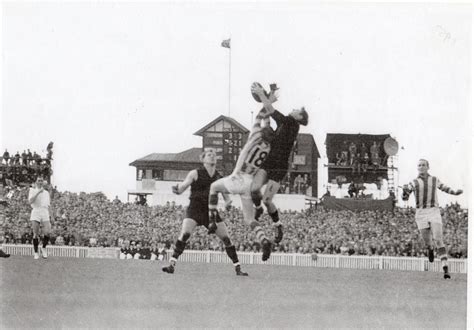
x=90, y=219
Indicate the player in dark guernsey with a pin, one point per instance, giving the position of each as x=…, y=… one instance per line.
x=275, y=166
x=197, y=213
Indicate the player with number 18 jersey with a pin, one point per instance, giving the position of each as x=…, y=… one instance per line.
x=239, y=182
x=250, y=159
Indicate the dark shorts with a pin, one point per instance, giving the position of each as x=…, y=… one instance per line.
x=200, y=214
x=276, y=170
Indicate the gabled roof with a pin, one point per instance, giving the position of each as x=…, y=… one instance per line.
x=187, y=156
x=305, y=138
x=218, y=119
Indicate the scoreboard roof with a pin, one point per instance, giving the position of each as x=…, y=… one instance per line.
x=334, y=141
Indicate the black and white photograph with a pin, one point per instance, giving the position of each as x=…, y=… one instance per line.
x=236, y=165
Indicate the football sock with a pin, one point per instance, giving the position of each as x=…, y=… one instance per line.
x=443, y=256
x=256, y=198
x=232, y=253
x=179, y=248
x=173, y=261
x=45, y=241
x=35, y=244
x=275, y=216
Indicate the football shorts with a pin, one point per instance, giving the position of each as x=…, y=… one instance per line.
x=40, y=215
x=239, y=184
x=425, y=217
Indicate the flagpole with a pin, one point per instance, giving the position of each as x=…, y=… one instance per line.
x=230, y=58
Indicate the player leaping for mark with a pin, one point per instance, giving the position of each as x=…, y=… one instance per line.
x=275, y=167
x=428, y=216
x=250, y=159
x=197, y=212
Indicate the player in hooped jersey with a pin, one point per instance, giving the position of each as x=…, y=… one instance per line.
x=251, y=157
x=275, y=167
x=197, y=213
x=427, y=216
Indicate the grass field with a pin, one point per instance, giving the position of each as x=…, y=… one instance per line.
x=100, y=293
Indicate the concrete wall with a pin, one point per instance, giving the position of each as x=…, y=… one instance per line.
x=163, y=195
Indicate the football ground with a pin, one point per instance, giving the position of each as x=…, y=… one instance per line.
x=101, y=293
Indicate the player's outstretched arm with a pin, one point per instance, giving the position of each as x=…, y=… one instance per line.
x=267, y=101
x=441, y=186
x=181, y=187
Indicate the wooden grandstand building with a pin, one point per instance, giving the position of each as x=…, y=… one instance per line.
x=157, y=172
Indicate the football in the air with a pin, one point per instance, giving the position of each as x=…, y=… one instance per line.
x=255, y=96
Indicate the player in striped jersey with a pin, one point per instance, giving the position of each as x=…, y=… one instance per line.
x=428, y=217
x=250, y=159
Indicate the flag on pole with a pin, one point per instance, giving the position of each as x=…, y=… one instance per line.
x=226, y=43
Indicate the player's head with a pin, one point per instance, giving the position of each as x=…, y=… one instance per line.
x=39, y=181
x=301, y=116
x=208, y=156
x=423, y=166
x=267, y=134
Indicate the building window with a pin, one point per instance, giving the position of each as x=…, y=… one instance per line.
x=139, y=174
x=157, y=174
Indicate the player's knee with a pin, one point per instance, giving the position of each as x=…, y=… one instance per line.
x=269, y=205
x=226, y=241
x=439, y=243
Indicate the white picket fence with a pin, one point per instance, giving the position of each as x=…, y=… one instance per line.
x=281, y=259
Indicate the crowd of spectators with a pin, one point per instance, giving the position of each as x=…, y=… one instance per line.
x=21, y=169
x=359, y=156
x=90, y=219
x=296, y=184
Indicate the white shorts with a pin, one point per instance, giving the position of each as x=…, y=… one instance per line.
x=40, y=215
x=425, y=217
x=239, y=184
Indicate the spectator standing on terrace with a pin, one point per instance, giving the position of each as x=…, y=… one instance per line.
x=24, y=158
x=197, y=213
x=39, y=199
x=17, y=158
x=29, y=156
x=6, y=157
x=37, y=158
x=428, y=216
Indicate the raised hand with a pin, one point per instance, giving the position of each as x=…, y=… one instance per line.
x=175, y=189
x=273, y=97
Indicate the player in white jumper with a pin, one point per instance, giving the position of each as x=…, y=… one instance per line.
x=239, y=182
x=39, y=199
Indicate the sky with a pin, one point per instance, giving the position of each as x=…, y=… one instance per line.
x=112, y=82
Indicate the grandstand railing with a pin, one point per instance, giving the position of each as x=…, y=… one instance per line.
x=280, y=259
